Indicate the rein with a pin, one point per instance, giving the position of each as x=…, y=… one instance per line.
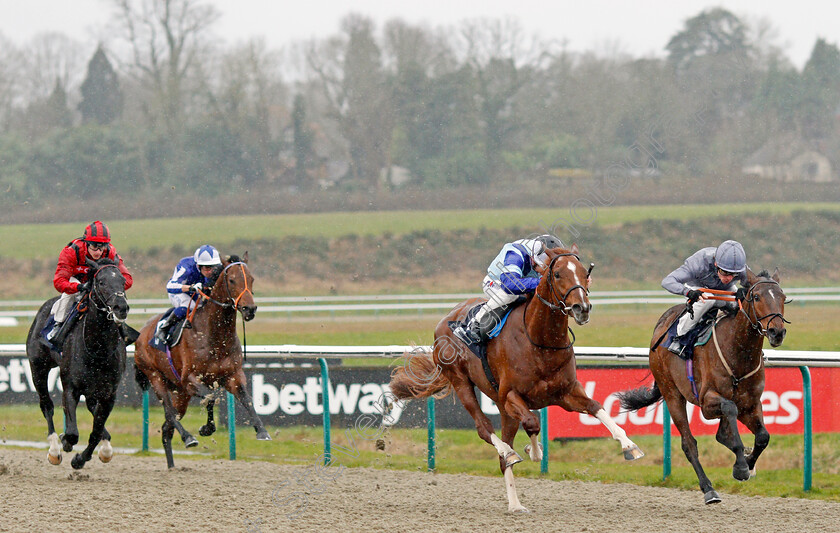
x=757, y=325
x=562, y=306
x=231, y=302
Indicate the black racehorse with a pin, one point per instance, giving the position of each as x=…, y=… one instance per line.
x=91, y=363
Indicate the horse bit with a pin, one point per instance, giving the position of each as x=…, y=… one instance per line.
x=227, y=303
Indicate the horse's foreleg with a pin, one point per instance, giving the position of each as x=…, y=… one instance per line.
x=106, y=452
x=579, y=402
x=510, y=425
x=676, y=406
x=516, y=407
x=716, y=406
x=754, y=420
x=238, y=386
x=101, y=410
x=71, y=431
x=210, y=427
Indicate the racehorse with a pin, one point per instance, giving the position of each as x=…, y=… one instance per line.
x=728, y=375
x=209, y=354
x=91, y=363
x=532, y=360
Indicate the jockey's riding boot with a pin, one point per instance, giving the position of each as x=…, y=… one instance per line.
x=59, y=336
x=47, y=340
x=162, y=327
x=466, y=335
x=676, y=346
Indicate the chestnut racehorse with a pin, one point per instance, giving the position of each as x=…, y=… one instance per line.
x=532, y=361
x=728, y=373
x=208, y=355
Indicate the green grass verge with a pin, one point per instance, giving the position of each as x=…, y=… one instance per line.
x=461, y=451
x=39, y=241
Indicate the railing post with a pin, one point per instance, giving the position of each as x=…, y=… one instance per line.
x=231, y=408
x=325, y=393
x=544, y=440
x=666, y=441
x=430, y=427
x=808, y=458
x=145, y=420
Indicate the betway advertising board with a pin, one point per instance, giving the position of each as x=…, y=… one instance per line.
x=292, y=396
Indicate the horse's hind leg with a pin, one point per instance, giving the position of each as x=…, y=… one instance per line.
x=676, y=406
x=210, y=427
x=101, y=411
x=579, y=402
x=716, y=406
x=238, y=386
x=71, y=432
x=754, y=420
x=40, y=376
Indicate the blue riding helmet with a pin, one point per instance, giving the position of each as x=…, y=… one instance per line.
x=731, y=257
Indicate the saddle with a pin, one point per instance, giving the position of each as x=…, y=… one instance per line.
x=696, y=336
x=480, y=349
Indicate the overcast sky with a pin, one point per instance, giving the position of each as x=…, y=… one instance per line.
x=638, y=27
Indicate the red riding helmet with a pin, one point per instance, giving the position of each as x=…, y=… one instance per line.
x=97, y=232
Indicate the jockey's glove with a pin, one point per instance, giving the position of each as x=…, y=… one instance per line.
x=741, y=293
x=83, y=287
x=693, y=295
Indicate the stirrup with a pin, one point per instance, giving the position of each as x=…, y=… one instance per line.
x=465, y=335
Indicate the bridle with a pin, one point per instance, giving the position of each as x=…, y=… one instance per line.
x=230, y=301
x=102, y=304
x=755, y=320
x=554, y=293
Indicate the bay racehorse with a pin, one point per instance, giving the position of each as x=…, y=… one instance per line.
x=532, y=360
x=208, y=355
x=728, y=376
x=91, y=363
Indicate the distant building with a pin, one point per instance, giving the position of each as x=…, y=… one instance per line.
x=788, y=158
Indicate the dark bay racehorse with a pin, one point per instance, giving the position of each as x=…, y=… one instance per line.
x=209, y=355
x=91, y=363
x=532, y=360
x=729, y=376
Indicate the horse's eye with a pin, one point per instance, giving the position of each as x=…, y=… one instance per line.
x=756, y=298
x=556, y=275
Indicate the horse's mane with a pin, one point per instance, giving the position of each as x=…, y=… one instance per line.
x=234, y=259
x=763, y=274
x=105, y=261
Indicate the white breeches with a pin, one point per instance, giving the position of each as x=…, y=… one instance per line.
x=61, y=308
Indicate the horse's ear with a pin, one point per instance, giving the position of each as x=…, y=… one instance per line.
x=245, y=257
x=751, y=278
x=574, y=248
x=775, y=275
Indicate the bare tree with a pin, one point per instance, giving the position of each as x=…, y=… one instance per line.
x=165, y=38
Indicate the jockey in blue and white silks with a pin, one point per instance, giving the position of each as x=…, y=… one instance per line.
x=191, y=274
x=708, y=268
x=512, y=273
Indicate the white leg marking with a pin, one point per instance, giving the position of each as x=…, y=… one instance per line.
x=54, y=455
x=616, y=432
x=106, y=453
x=513, y=500
x=534, y=450
x=501, y=446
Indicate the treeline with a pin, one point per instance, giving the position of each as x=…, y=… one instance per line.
x=371, y=107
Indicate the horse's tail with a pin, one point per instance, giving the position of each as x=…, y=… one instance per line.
x=141, y=379
x=419, y=377
x=642, y=397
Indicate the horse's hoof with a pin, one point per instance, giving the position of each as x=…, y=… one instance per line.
x=741, y=474
x=263, y=435
x=518, y=510
x=206, y=431
x=633, y=453
x=77, y=463
x=711, y=497
x=512, y=458
x=191, y=442
x=537, y=455
x=106, y=453
x=54, y=459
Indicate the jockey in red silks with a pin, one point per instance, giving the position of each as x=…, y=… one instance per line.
x=71, y=275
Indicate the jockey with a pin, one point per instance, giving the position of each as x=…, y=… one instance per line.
x=709, y=268
x=515, y=271
x=71, y=275
x=191, y=274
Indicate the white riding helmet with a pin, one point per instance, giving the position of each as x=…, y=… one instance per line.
x=731, y=257
x=206, y=255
